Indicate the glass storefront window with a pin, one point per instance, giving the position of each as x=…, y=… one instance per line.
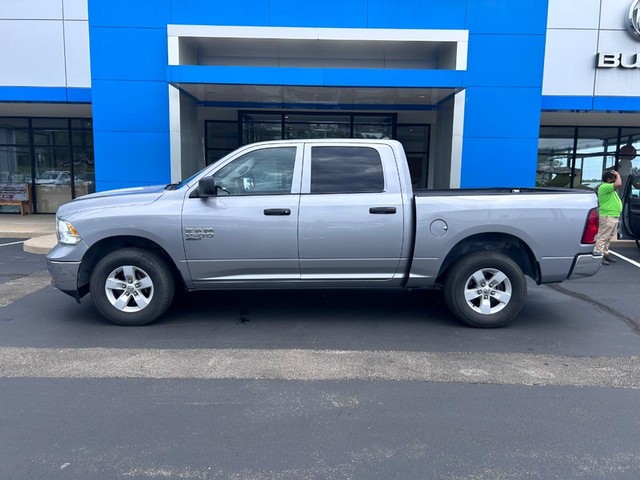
x=628, y=161
x=373, y=120
x=82, y=123
x=575, y=157
x=84, y=171
x=375, y=132
x=82, y=139
x=15, y=164
x=51, y=137
x=555, y=153
x=213, y=155
x=57, y=123
x=415, y=140
x=262, y=126
x=260, y=131
x=53, y=155
x=222, y=135
x=595, y=152
x=317, y=130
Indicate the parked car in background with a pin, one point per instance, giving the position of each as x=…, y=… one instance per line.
x=54, y=177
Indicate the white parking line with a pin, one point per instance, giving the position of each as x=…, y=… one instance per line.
x=632, y=262
x=11, y=243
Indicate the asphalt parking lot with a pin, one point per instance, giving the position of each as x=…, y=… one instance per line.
x=320, y=384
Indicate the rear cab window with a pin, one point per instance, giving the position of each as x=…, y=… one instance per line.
x=346, y=169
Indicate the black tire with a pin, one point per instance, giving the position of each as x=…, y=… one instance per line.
x=132, y=287
x=486, y=305
x=638, y=243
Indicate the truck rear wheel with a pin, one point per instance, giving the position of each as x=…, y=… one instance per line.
x=132, y=287
x=485, y=289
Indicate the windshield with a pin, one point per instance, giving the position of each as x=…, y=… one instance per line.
x=48, y=176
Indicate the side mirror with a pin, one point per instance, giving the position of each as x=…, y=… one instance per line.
x=207, y=187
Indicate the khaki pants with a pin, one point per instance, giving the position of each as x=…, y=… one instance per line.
x=607, y=229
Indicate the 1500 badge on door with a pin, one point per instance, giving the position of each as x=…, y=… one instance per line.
x=197, y=233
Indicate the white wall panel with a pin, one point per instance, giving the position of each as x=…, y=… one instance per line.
x=32, y=53
x=582, y=14
x=75, y=10
x=31, y=9
x=618, y=81
x=569, y=63
x=76, y=41
x=613, y=14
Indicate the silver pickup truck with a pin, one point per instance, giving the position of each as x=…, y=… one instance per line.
x=320, y=214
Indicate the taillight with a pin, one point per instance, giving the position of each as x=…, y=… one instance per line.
x=591, y=227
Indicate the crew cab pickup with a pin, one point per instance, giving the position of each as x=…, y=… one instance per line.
x=320, y=214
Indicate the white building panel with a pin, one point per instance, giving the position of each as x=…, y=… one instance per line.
x=613, y=14
x=75, y=10
x=32, y=53
x=76, y=41
x=618, y=81
x=31, y=9
x=569, y=63
x=581, y=14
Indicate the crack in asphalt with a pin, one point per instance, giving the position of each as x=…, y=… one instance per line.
x=631, y=322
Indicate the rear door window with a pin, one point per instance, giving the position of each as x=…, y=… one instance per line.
x=349, y=169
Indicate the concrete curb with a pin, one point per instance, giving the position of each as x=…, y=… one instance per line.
x=40, y=245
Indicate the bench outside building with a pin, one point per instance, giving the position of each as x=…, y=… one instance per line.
x=18, y=194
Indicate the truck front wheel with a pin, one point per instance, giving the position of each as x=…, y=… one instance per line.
x=485, y=289
x=132, y=287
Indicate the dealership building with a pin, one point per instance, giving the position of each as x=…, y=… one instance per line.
x=104, y=94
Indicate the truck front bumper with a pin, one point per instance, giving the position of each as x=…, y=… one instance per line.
x=64, y=276
x=585, y=265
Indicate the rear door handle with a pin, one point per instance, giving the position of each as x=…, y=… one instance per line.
x=382, y=210
x=277, y=211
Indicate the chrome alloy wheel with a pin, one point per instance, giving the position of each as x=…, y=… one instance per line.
x=487, y=291
x=129, y=288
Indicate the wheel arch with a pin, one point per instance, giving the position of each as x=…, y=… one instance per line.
x=509, y=245
x=107, y=245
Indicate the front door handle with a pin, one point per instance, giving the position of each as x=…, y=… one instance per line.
x=382, y=210
x=277, y=211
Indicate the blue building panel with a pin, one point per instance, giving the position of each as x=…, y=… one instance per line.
x=79, y=95
x=328, y=13
x=130, y=106
x=130, y=159
x=129, y=13
x=218, y=12
x=420, y=14
x=499, y=112
x=505, y=60
x=522, y=17
x=128, y=53
x=45, y=94
x=620, y=104
x=499, y=162
x=559, y=102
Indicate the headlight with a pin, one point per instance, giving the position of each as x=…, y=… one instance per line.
x=67, y=234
